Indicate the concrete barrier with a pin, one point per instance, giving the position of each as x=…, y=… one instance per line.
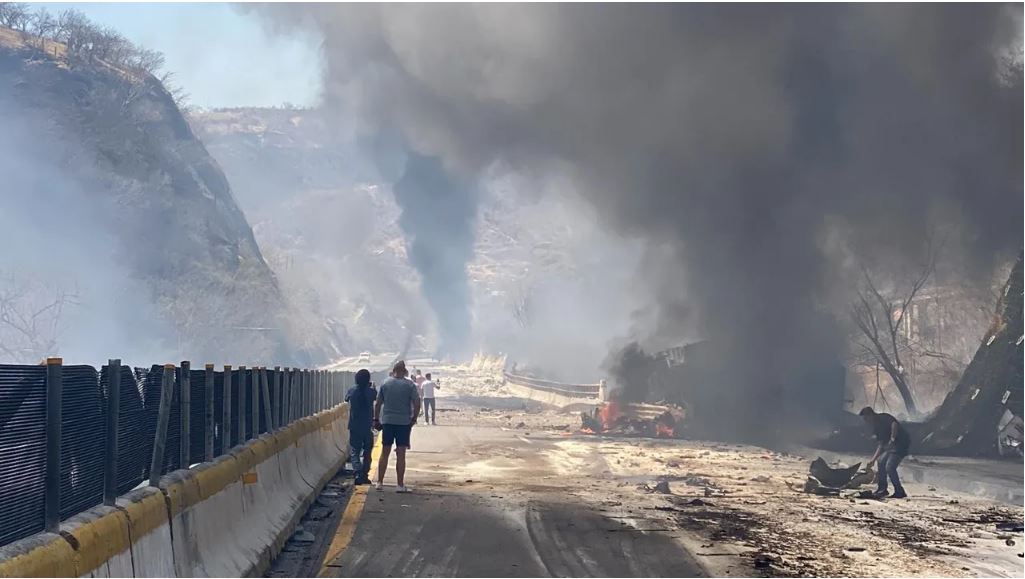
x=131, y=539
x=102, y=543
x=149, y=531
x=41, y=555
x=225, y=518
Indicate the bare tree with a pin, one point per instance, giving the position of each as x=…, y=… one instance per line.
x=148, y=61
x=43, y=24
x=883, y=337
x=30, y=318
x=15, y=15
x=177, y=92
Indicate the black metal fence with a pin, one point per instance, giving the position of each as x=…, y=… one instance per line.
x=71, y=437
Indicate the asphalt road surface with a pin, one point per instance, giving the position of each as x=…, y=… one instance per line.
x=489, y=502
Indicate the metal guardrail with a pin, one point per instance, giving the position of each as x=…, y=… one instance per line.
x=571, y=390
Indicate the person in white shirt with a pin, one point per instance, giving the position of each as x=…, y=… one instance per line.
x=427, y=388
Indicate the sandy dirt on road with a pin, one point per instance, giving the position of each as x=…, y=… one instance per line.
x=738, y=497
x=738, y=505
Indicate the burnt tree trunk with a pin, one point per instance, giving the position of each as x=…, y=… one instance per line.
x=966, y=423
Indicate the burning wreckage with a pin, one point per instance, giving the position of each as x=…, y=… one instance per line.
x=683, y=392
x=981, y=416
x=634, y=419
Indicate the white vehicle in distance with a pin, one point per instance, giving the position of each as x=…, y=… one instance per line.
x=363, y=357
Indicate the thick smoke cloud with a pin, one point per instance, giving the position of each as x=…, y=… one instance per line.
x=58, y=235
x=739, y=136
x=438, y=216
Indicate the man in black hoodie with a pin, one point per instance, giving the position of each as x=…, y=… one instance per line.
x=361, y=399
x=893, y=445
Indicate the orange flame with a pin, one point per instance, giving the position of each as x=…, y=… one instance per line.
x=608, y=414
x=663, y=430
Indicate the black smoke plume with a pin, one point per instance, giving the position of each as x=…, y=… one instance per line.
x=438, y=216
x=742, y=136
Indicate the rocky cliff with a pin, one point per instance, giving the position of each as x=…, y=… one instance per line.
x=109, y=193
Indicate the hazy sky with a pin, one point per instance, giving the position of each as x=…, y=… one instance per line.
x=219, y=54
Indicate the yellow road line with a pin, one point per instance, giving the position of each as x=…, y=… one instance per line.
x=347, y=527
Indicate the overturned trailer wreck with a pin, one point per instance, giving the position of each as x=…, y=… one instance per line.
x=696, y=380
x=982, y=415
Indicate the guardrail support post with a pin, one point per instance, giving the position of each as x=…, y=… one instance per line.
x=254, y=402
x=226, y=410
x=276, y=396
x=301, y=394
x=268, y=414
x=185, y=416
x=242, y=410
x=286, y=396
x=208, y=398
x=110, y=440
x=156, y=465
x=52, y=477
x=306, y=390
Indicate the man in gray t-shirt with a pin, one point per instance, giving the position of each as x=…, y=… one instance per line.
x=398, y=405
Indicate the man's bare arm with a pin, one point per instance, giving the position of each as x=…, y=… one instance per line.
x=377, y=409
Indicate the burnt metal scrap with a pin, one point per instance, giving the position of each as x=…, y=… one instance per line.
x=826, y=480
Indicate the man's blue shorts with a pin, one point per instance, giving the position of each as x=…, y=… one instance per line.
x=397, y=433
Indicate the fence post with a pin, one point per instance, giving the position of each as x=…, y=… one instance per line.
x=52, y=477
x=293, y=395
x=301, y=398
x=156, y=465
x=110, y=440
x=268, y=412
x=254, y=402
x=208, y=397
x=286, y=396
x=317, y=391
x=226, y=410
x=241, y=405
x=276, y=394
x=302, y=394
x=185, y=416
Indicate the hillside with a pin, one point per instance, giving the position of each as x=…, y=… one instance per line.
x=140, y=222
x=317, y=205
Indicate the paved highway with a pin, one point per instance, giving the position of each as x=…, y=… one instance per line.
x=489, y=502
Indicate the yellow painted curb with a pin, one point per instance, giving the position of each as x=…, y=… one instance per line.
x=347, y=527
x=98, y=540
x=145, y=514
x=52, y=557
x=217, y=477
